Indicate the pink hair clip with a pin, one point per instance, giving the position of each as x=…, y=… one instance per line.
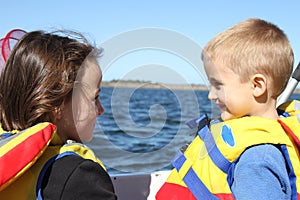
x=6, y=44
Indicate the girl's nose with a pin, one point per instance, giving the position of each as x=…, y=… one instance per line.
x=100, y=109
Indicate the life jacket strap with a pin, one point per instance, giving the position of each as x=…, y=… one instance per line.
x=195, y=185
x=213, y=151
x=290, y=133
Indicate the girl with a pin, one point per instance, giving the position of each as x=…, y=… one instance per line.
x=50, y=84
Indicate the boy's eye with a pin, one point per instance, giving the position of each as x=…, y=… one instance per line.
x=216, y=84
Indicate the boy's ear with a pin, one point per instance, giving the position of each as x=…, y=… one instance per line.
x=259, y=84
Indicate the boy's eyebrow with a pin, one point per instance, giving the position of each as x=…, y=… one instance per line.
x=213, y=79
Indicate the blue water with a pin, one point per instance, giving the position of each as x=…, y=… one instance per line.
x=142, y=129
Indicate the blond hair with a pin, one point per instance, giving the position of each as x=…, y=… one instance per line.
x=254, y=46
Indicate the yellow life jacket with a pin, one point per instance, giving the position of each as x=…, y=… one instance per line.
x=201, y=171
x=24, y=154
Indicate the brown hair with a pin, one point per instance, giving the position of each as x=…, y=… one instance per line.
x=38, y=76
x=254, y=46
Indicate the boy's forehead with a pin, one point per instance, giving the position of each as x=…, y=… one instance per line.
x=217, y=70
x=211, y=66
x=218, y=65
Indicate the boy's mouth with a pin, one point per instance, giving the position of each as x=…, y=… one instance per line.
x=221, y=106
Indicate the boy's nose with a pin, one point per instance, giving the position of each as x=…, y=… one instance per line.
x=212, y=94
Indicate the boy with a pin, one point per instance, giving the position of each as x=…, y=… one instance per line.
x=250, y=154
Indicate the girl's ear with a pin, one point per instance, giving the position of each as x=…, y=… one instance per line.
x=56, y=112
x=259, y=85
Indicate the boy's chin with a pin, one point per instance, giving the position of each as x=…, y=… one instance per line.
x=227, y=116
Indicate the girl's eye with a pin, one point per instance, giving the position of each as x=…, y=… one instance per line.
x=96, y=99
x=97, y=95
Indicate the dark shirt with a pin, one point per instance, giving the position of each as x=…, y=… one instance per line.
x=73, y=177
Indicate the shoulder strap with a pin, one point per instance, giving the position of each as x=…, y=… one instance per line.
x=82, y=150
x=291, y=109
x=290, y=133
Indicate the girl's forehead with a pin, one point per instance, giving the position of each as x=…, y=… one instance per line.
x=92, y=73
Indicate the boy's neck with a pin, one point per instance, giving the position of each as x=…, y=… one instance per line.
x=267, y=110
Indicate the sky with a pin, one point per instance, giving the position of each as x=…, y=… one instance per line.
x=154, y=40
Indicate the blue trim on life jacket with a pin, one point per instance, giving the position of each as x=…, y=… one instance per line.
x=230, y=173
x=283, y=113
x=291, y=172
x=198, y=122
x=195, y=185
x=5, y=135
x=44, y=169
x=214, y=153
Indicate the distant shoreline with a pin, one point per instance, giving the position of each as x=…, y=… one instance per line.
x=150, y=85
